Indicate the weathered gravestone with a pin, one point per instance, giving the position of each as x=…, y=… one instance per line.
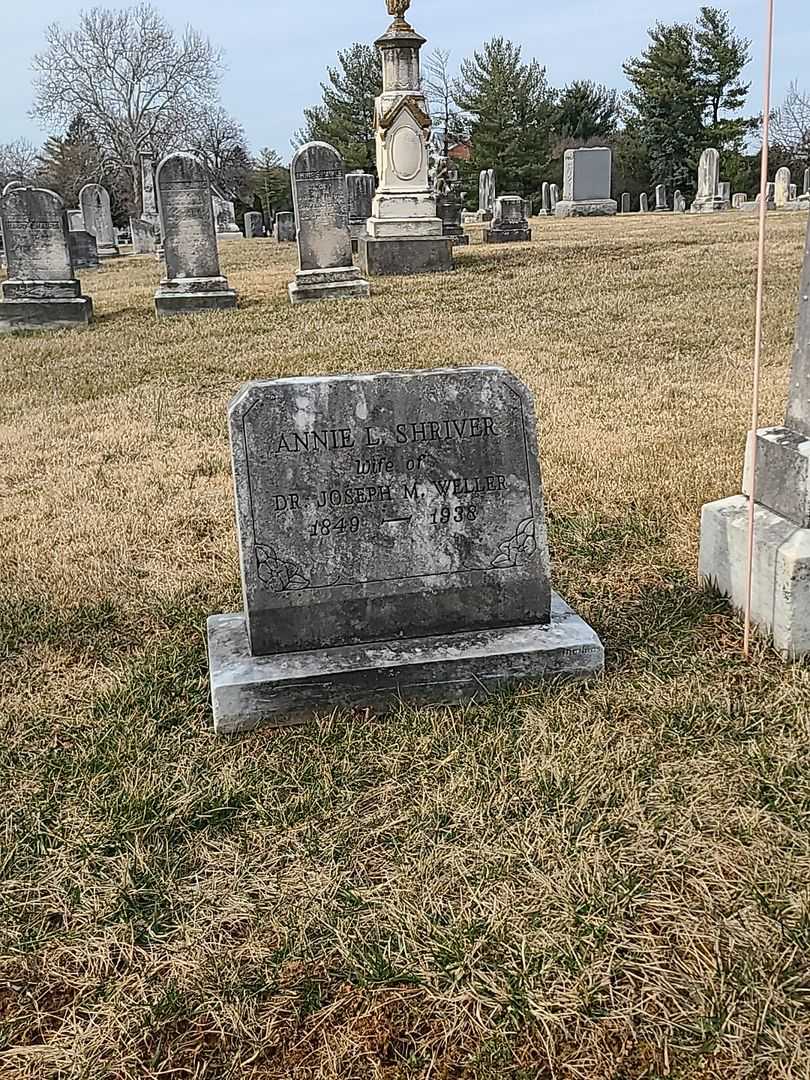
x=95, y=203
x=361, y=187
x=679, y=202
x=643, y=203
x=254, y=225
x=661, y=203
x=738, y=200
x=392, y=545
x=794, y=192
x=42, y=291
x=724, y=193
x=225, y=217
x=781, y=194
x=75, y=221
x=448, y=209
x=707, y=199
x=806, y=183
x=145, y=228
x=545, y=200
x=486, y=195
x=320, y=197
x=509, y=222
x=781, y=581
x=586, y=184
x=284, y=227
x=626, y=202
x=193, y=279
x=83, y=250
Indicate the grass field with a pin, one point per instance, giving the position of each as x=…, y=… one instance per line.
x=596, y=882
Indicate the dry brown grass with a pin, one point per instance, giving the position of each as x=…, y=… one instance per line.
x=604, y=882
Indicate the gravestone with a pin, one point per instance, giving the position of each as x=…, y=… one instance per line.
x=95, y=203
x=404, y=233
x=42, y=291
x=554, y=193
x=225, y=217
x=448, y=208
x=626, y=202
x=486, y=194
x=193, y=279
x=661, y=198
x=254, y=225
x=361, y=187
x=83, y=250
x=392, y=545
x=724, y=192
x=806, y=183
x=75, y=221
x=679, y=202
x=781, y=580
x=320, y=197
x=781, y=193
x=794, y=192
x=284, y=227
x=545, y=200
x=145, y=228
x=509, y=221
x=643, y=203
x=707, y=199
x=586, y=184
x=739, y=200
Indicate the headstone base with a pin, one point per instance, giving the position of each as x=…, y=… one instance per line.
x=344, y=283
x=506, y=236
x=110, y=252
x=230, y=235
x=783, y=473
x=45, y=314
x=713, y=205
x=416, y=255
x=585, y=208
x=188, y=296
x=780, y=602
x=290, y=688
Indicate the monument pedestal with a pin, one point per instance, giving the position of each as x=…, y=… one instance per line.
x=585, y=208
x=341, y=283
x=43, y=305
x=404, y=255
x=291, y=688
x=507, y=236
x=780, y=601
x=187, y=296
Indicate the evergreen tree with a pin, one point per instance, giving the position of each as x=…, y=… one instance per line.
x=721, y=57
x=668, y=103
x=270, y=183
x=511, y=114
x=587, y=111
x=345, y=117
x=70, y=161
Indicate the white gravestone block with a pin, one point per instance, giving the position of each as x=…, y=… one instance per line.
x=586, y=184
x=95, y=203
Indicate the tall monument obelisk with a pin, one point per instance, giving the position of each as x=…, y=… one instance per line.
x=404, y=233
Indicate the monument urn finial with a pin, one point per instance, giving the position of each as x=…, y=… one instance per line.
x=397, y=8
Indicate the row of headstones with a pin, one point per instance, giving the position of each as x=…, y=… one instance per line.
x=586, y=189
x=781, y=194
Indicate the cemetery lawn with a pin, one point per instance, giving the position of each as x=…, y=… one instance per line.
x=581, y=883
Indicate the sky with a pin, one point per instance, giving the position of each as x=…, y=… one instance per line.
x=277, y=51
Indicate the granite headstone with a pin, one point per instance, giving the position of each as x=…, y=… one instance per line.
x=95, y=203
x=586, y=183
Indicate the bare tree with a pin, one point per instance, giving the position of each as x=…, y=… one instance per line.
x=437, y=82
x=790, y=124
x=131, y=79
x=219, y=139
x=18, y=161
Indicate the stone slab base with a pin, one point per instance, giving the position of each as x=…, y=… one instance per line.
x=506, y=236
x=586, y=208
x=780, y=602
x=108, y=253
x=290, y=688
x=783, y=473
x=178, y=303
x=420, y=255
x=339, y=285
x=45, y=314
